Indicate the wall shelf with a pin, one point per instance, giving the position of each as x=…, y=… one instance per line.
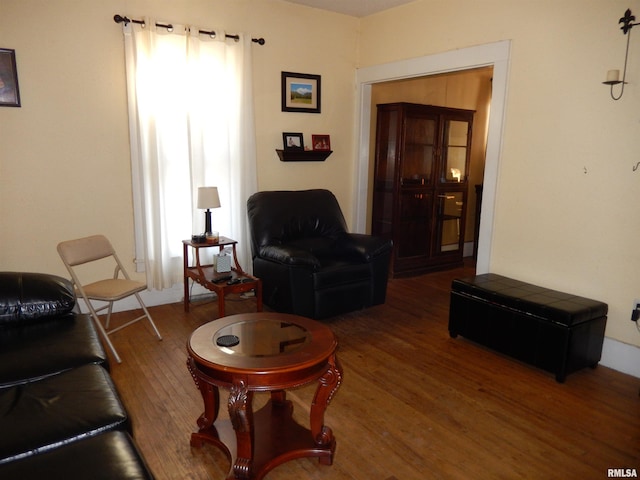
x=303, y=155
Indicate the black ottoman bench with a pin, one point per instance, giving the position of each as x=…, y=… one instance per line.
x=552, y=330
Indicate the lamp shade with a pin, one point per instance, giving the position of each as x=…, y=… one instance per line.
x=208, y=197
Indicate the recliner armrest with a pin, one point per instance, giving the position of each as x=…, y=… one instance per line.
x=366, y=247
x=289, y=256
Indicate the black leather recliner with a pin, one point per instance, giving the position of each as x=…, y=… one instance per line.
x=309, y=263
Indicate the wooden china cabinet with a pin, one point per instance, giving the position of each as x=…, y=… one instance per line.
x=421, y=183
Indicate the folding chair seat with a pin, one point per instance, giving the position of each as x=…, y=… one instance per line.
x=92, y=249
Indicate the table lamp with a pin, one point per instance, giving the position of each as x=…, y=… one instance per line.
x=208, y=198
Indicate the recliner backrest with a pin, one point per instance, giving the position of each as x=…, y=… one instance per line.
x=280, y=217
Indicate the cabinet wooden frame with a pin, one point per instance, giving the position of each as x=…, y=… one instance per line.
x=419, y=202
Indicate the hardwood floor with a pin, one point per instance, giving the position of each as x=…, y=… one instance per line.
x=414, y=403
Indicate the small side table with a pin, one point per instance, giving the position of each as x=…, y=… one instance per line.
x=206, y=275
x=264, y=352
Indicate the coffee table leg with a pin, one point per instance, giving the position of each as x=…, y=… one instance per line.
x=241, y=415
x=211, y=406
x=211, y=400
x=328, y=385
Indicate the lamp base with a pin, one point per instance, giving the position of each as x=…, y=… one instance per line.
x=207, y=222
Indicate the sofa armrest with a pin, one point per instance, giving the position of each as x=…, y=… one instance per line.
x=33, y=296
x=288, y=255
x=364, y=247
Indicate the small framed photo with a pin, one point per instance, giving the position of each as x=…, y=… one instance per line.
x=321, y=142
x=300, y=92
x=9, y=91
x=292, y=141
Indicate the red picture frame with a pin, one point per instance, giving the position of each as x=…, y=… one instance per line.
x=321, y=142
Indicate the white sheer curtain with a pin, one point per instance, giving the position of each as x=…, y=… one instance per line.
x=191, y=125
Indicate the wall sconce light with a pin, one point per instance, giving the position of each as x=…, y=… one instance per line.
x=613, y=76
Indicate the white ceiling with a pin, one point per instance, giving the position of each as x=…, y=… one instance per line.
x=355, y=8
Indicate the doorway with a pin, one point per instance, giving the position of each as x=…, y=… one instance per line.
x=495, y=55
x=465, y=89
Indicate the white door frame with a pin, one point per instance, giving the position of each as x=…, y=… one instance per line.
x=492, y=54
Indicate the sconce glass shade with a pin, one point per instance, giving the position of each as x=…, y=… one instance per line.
x=208, y=197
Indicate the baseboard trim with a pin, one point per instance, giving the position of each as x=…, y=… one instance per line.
x=621, y=356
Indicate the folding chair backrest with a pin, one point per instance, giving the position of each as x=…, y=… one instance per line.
x=94, y=248
x=83, y=250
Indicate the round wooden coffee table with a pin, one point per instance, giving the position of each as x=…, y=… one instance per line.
x=264, y=352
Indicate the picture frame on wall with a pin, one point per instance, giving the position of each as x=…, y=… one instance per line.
x=292, y=141
x=321, y=142
x=301, y=92
x=9, y=89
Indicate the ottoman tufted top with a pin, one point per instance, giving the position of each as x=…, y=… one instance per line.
x=555, y=306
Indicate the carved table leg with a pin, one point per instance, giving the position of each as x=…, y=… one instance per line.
x=211, y=400
x=328, y=384
x=241, y=415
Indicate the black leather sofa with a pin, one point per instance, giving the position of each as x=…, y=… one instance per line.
x=60, y=413
x=308, y=262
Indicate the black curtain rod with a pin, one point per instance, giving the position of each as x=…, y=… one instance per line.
x=125, y=20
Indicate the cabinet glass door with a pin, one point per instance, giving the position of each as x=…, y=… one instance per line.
x=450, y=228
x=456, y=144
x=419, y=140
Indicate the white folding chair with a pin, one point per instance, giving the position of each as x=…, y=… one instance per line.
x=91, y=249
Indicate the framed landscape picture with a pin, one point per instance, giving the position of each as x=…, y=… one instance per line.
x=300, y=92
x=9, y=92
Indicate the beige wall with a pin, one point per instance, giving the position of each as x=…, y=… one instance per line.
x=64, y=164
x=64, y=156
x=554, y=224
